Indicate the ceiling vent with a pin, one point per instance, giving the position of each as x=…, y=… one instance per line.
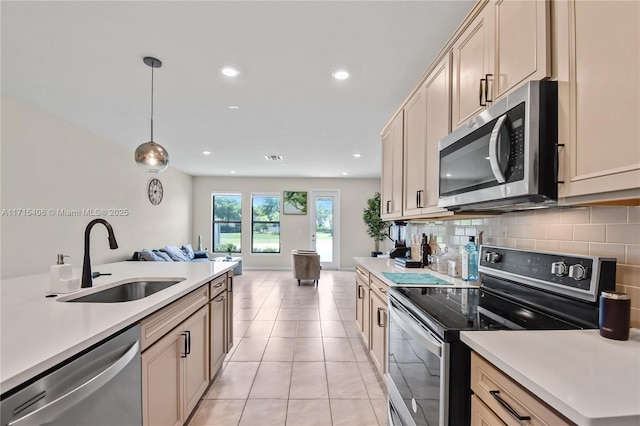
x=273, y=157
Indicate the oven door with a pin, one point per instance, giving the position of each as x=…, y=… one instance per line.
x=417, y=378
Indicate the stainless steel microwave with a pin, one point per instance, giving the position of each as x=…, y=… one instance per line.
x=505, y=158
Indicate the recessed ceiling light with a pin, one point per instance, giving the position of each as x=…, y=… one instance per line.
x=448, y=175
x=357, y=155
x=206, y=152
x=233, y=107
x=340, y=74
x=230, y=71
x=232, y=172
x=345, y=173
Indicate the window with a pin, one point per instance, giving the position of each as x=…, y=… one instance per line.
x=227, y=223
x=265, y=224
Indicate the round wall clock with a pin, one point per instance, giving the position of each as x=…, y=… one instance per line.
x=155, y=192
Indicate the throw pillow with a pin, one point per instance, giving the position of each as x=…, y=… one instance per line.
x=164, y=256
x=148, y=255
x=175, y=254
x=188, y=251
x=200, y=255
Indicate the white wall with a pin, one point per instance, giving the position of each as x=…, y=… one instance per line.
x=295, y=229
x=48, y=163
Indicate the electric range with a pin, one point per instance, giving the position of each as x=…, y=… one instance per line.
x=428, y=373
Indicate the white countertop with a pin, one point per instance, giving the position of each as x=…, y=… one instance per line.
x=38, y=332
x=589, y=379
x=378, y=265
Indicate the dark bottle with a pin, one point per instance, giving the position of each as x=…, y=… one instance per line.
x=425, y=250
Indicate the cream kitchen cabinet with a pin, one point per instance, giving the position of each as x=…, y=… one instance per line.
x=598, y=73
x=229, y=313
x=415, y=154
x=175, y=371
x=217, y=324
x=362, y=303
x=392, y=145
x=506, y=44
x=379, y=322
x=498, y=399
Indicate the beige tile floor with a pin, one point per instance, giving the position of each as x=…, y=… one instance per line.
x=297, y=357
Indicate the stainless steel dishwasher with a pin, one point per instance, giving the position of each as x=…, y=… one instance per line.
x=100, y=386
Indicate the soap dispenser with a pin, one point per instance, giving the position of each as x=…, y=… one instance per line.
x=62, y=280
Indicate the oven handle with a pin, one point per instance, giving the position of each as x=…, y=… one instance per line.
x=421, y=335
x=493, y=150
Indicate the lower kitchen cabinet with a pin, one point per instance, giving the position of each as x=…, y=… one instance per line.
x=175, y=372
x=229, y=313
x=362, y=303
x=217, y=325
x=497, y=399
x=379, y=321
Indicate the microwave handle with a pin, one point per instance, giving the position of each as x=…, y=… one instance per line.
x=493, y=150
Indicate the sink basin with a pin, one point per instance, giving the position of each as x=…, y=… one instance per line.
x=126, y=292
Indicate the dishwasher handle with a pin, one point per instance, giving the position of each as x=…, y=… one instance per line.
x=59, y=405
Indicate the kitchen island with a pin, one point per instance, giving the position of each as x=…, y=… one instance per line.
x=588, y=379
x=38, y=331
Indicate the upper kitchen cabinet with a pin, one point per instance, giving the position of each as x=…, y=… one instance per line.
x=472, y=58
x=598, y=67
x=427, y=120
x=506, y=44
x=392, y=145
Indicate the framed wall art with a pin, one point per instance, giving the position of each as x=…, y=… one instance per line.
x=295, y=202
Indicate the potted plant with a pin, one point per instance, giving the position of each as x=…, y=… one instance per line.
x=376, y=227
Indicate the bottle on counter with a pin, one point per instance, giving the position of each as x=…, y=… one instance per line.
x=470, y=261
x=425, y=251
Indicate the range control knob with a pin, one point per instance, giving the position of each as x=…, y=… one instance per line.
x=492, y=256
x=578, y=272
x=559, y=268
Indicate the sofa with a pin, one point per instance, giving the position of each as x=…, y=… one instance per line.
x=171, y=254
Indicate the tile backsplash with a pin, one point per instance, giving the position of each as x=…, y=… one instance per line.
x=597, y=231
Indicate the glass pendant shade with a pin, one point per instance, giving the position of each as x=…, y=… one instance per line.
x=152, y=157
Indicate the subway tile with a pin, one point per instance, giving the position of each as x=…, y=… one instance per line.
x=515, y=231
x=507, y=242
x=547, y=245
x=635, y=318
x=623, y=233
x=608, y=214
x=525, y=218
x=537, y=232
x=574, y=247
x=560, y=232
x=628, y=275
x=633, y=214
x=634, y=292
x=548, y=217
x=477, y=222
x=575, y=215
x=459, y=230
x=526, y=244
x=608, y=250
x=590, y=233
x=633, y=254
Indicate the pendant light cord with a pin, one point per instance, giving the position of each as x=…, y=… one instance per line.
x=152, y=66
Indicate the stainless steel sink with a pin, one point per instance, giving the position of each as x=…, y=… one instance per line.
x=125, y=292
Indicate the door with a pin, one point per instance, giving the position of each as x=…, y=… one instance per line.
x=325, y=227
x=196, y=359
x=218, y=322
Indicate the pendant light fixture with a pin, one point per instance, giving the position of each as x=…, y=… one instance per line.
x=150, y=155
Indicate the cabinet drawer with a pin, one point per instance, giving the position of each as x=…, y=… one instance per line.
x=217, y=286
x=160, y=323
x=498, y=391
x=380, y=288
x=362, y=273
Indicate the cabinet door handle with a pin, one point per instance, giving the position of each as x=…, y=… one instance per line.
x=379, y=317
x=382, y=290
x=188, y=342
x=184, y=346
x=556, y=164
x=481, y=91
x=388, y=208
x=359, y=292
x=514, y=413
x=218, y=285
x=486, y=87
x=220, y=299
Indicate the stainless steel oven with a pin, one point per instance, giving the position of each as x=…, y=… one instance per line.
x=506, y=157
x=428, y=379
